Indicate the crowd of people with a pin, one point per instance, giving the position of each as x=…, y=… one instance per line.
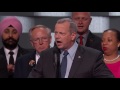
x=77, y=53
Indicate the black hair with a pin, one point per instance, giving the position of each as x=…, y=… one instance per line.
x=117, y=33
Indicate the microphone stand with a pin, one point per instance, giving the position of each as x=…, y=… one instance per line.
x=57, y=62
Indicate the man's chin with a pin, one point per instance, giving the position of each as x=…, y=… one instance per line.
x=10, y=46
x=60, y=47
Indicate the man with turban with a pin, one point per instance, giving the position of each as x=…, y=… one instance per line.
x=10, y=31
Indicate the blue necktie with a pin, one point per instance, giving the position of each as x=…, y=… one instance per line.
x=64, y=64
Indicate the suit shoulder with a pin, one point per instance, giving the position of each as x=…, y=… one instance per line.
x=26, y=56
x=24, y=50
x=49, y=50
x=91, y=50
x=2, y=58
x=94, y=36
x=97, y=37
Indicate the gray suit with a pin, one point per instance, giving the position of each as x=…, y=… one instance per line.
x=88, y=63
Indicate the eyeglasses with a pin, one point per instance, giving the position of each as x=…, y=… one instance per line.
x=42, y=39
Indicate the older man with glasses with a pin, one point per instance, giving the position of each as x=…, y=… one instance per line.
x=40, y=38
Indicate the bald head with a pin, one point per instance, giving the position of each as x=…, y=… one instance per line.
x=83, y=20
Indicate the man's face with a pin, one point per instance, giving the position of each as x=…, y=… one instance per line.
x=10, y=38
x=83, y=20
x=40, y=39
x=63, y=37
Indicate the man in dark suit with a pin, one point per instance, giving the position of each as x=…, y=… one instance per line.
x=10, y=31
x=68, y=59
x=83, y=20
x=40, y=38
x=23, y=65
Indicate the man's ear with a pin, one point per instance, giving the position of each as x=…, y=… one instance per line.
x=73, y=36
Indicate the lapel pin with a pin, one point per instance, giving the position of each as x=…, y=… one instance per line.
x=32, y=63
x=79, y=56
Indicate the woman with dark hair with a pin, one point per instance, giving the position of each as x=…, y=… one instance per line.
x=110, y=45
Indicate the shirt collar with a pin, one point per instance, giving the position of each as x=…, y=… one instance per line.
x=72, y=50
x=85, y=35
x=37, y=54
x=14, y=50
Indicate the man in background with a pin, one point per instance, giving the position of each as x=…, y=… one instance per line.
x=40, y=38
x=85, y=37
x=10, y=31
x=68, y=59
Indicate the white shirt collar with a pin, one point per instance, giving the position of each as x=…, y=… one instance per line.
x=7, y=53
x=7, y=50
x=37, y=56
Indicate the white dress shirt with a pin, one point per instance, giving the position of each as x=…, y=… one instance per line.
x=37, y=56
x=8, y=55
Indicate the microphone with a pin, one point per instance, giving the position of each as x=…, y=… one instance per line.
x=57, y=62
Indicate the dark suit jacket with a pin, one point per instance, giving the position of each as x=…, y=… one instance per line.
x=87, y=63
x=93, y=41
x=3, y=68
x=21, y=51
x=22, y=67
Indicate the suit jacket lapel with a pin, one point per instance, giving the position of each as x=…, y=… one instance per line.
x=19, y=52
x=22, y=51
x=90, y=40
x=31, y=57
x=76, y=62
x=33, y=54
x=3, y=53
